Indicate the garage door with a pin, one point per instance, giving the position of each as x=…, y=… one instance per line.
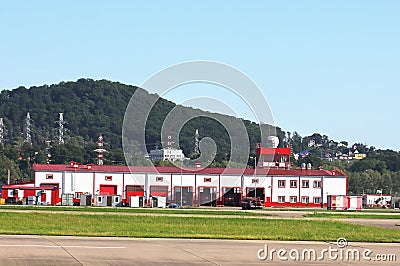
x=108, y=190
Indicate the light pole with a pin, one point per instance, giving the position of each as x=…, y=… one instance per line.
x=254, y=176
x=182, y=165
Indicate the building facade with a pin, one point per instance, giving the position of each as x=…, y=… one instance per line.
x=187, y=187
x=169, y=154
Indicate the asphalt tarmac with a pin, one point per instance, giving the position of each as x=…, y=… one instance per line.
x=65, y=250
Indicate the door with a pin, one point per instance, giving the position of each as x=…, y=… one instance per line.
x=183, y=197
x=55, y=195
x=231, y=196
x=133, y=190
x=207, y=196
x=159, y=191
x=108, y=190
x=267, y=202
x=256, y=193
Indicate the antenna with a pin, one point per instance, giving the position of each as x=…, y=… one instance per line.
x=2, y=130
x=100, y=149
x=196, y=143
x=28, y=137
x=48, y=153
x=60, y=128
x=170, y=142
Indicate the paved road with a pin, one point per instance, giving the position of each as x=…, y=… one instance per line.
x=44, y=250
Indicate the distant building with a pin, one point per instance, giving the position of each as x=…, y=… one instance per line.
x=275, y=187
x=169, y=154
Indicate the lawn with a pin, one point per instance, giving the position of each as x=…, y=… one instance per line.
x=193, y=211
x=84, y=224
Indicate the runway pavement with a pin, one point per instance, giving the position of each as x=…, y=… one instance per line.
x=64, y=250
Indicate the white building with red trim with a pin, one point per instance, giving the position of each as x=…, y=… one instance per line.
x=188, y=187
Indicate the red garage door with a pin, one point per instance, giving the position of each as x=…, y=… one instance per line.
x=108, y=190
x=134, y=190
x=160, y=191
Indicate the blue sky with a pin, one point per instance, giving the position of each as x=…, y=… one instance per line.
x=331, y=67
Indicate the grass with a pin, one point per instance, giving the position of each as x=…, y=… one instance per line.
x=193, y=211
x=84, y=224
x=353, y=215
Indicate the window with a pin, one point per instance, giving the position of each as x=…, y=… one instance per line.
x=317, y=184
x=134, y=188
x=305, y=183
x=49, y=176
x=108, y=178
x=304, y=200
x=281, y=199
x=293, y=183
x=317, y=200
x=158, y=189
x=293, y=199
x=236, y=190
x=99, y=199
x=159, y=179
x=255, y=181
x=78, y=195
x=207, y=179
x=281, y=183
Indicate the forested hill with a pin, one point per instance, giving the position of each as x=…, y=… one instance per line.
x=91, y=107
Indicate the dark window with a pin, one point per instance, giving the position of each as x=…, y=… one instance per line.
x=134, y=188
x=305, y=183
x=317, y=184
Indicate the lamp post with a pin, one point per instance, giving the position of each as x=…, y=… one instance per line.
x=254, y=175
x=182, y=165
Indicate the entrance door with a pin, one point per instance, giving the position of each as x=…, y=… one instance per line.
x=159, y=191
x=185, y=198
x=231, y=196
x=252, y=192
x=55, y=195
x=108, y=190
x=133, y=190
x=267, y=202
x=207, y=196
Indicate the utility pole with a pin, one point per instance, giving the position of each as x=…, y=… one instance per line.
x=28, y=137
x=100, y=149
x=60, y=128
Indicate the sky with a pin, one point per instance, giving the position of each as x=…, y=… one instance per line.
x=331, y=67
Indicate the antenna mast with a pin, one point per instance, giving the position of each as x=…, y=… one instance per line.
x=28, y=137
x=196, y=143
x=60, y=128
x=2, y=129
x=100, y=149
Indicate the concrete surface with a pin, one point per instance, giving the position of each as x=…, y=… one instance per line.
x=45, y=250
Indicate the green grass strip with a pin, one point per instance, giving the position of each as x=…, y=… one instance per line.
x=193, y=211
x=354, y=215
x=81, y=224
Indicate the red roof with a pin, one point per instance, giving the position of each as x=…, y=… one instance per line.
x=29, y=186
x=172, y=169
x=280, y=151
